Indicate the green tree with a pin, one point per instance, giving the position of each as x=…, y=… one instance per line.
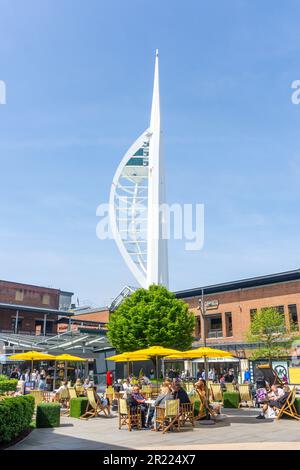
x=269, y=330
x=151, y=317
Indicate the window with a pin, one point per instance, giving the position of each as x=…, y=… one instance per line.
x=253, y=312
x=214, y=326
x=293, y=315
x=19, y=295
x=228, y=319
x=280, y=309
x=13, y=324
x=198, y=326
x=46, y=299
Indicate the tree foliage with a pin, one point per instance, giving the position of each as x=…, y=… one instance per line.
x=269, y=330
x=151, y=317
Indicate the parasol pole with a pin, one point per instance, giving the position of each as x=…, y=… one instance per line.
x=54, y=377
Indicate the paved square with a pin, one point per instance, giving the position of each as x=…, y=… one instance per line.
x=237, y=430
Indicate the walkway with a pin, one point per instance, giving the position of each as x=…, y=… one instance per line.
x=237, y=430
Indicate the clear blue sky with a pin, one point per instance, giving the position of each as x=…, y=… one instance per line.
x=79, y=83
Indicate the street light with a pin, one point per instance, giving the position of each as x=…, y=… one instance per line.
x=203, y=314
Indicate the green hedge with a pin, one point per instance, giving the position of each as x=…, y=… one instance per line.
x=48, y=415
x=78, y=406
x=231, y=399
x=8, y=385
x=15, y=416
x=3, y=377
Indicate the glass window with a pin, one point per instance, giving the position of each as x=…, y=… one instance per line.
x=293, y=316
x=228, y=318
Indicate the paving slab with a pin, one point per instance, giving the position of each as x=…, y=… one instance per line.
x=237, y=430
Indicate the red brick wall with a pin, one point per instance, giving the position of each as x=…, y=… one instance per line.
x=101, y=316
x=239, y=303
x=28, y=320
x=32, y=295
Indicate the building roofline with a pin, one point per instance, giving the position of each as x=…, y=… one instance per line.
x=29, y=308
x=36, y=286
x=258, y=281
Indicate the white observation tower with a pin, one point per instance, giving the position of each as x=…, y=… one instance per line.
x=137, y=203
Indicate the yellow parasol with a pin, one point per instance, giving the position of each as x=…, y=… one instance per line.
x=200, y=352
x=32, y=356
x=67, y=358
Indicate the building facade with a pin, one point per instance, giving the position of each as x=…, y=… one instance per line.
x=230, y=306
x=29, y=309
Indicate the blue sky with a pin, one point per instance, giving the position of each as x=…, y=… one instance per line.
x=79, y=84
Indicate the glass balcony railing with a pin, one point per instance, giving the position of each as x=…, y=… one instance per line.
x=215, y=334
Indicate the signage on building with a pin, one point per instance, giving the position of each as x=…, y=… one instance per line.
x=281, y=369
x=211, y=304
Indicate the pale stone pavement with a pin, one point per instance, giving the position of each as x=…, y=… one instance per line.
x=237, y=430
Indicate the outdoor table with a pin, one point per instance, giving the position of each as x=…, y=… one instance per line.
x=150, y=404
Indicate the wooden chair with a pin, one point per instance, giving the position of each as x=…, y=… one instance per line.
x=288, y=408
x=217, y=394
x=94, y=406
x=129, y=416
x=187, y=413
x=245, y=395
x=38, y=396
x=168, y=417
x=204, y=410
x=146, y=391
x=189, y=387
x=72, y=392
x=64, y=400
x=109, y=394
x=80, y=391
x=230, y=388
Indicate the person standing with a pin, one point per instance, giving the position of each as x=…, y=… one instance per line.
x=109, y=378
x=247, y=376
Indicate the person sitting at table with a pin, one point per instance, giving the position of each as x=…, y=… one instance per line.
x=179, y=393
x=144, y=380
x=164, y=395
x=79, y=388
x=62, y=388
x=201, y=389
x=118, y=387
x=86, y=383
x=137, y=399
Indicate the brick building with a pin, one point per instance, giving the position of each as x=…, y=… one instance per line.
x=229, y=307
x=31, y=309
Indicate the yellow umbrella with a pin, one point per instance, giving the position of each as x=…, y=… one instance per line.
x=128, y=357
x=156, y=351
x=32, y=356
x=66, y=358
x=200, y=352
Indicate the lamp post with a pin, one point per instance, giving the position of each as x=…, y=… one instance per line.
x=203, y=314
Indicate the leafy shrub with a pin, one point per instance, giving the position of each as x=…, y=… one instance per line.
x=15, y=416
x=78, y=406
x=3, y=377
x=8, y=385
x=231, y=399
x=48, y=415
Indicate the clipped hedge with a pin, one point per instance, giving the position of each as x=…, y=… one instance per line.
x=297, y=404
x=48, y=415
x=8, y=385
x=15, y=416
x=78, y=406
x=231, y=399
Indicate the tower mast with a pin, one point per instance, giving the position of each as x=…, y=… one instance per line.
x=157, y=251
